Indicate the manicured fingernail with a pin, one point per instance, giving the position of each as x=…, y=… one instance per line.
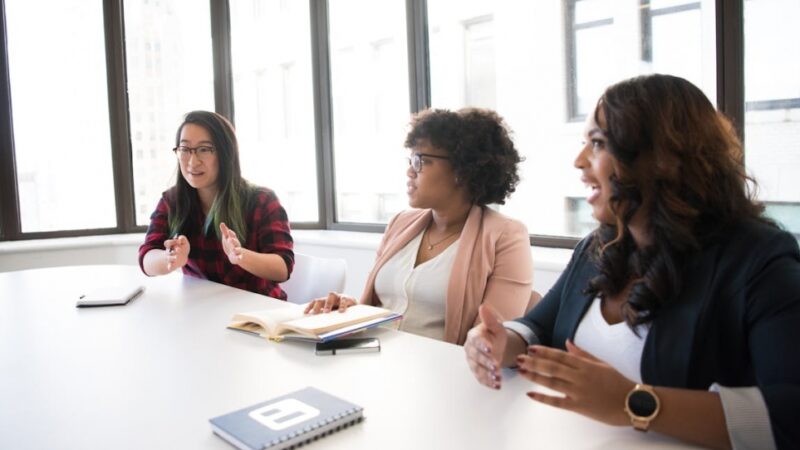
x=485, y=349
x=522, y=370
x=531, y=395
x=497, y=386
x=531, y=350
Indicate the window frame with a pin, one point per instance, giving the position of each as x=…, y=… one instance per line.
x=730, y=100
x=570, y=43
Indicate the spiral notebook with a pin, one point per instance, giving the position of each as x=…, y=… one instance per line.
x=286, y=421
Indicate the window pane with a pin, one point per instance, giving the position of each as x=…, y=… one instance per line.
x=273, y=96
x=551, y=61
x=59, y=96
x=168, y=50
x=369, y=82
x=772, y=113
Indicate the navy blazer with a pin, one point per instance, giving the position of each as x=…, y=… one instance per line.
x=736, y=321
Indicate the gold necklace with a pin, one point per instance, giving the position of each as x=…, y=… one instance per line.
x=431, y=245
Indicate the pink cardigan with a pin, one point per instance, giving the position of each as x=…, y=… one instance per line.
x=492, y=265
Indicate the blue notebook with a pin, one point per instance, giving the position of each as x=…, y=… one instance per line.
x=286, y=421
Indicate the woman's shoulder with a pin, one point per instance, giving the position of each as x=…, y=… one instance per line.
x=169, y=196
x=259, y=195
x=407, y=216
x=495, y=220
x=751, y=238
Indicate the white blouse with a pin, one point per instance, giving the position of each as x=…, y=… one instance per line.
x=615, y=344
x=419, y=293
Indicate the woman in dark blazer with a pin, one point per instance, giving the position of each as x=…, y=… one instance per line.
x=680, y=313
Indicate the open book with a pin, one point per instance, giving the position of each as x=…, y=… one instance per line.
x=289, y=322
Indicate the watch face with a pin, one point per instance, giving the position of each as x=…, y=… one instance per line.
x=642, y=403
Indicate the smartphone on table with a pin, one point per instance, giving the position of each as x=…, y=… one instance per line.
x=348, y=345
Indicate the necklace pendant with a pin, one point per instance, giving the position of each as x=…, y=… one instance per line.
x=430, y=247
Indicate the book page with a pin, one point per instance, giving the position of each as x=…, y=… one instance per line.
x=321, y=323
x=270, y=319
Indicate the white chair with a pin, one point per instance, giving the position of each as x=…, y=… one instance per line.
x=314, y=277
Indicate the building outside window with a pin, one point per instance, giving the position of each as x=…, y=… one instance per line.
x=541, y=65
x=273, y=100
x=169, y=73
x=369, y=90
x=61, y=128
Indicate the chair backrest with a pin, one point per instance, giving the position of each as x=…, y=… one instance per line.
x=314, y=277
x=535, y=297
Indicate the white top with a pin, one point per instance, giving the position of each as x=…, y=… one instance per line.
x=615, y=344
x=419, y=293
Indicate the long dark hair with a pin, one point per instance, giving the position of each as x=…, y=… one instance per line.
x=680, y=162
x=230, y=204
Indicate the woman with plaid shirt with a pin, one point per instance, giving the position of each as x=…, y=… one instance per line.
x=214, y=224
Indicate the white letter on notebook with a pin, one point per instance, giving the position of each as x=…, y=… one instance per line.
x=284, y=414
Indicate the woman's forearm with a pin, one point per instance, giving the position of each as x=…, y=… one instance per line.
x=264, y=265
x=692, y=415
x=515, y=345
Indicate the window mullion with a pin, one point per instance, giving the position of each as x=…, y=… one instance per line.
x=9, y=199
x=118, y=115
x=730, y=61
x=323, y=112
x=418, y=57
x=221, y=51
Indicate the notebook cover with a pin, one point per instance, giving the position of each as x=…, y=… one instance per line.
x=286, y=421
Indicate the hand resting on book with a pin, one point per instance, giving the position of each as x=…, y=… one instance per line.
x=334, y=300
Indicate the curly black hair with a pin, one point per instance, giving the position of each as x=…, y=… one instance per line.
x=480, y=148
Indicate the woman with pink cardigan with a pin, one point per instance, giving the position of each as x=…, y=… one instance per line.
x=438, y=262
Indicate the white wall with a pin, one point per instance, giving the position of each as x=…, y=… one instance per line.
x=358, y=249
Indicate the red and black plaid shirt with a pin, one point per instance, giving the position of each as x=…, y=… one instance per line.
x=268, y=232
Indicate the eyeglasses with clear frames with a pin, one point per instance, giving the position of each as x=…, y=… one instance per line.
x=202, y=152
x=416, y=161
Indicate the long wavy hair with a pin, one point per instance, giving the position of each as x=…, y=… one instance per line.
x=681, y=163
x=229, y=206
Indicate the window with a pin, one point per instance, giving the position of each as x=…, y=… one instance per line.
x=59, y=96
x=772, y=108
x=543, y=66
x=688, y=53
x=168, y=49
x=594, y=67
x=463, y=55
x=370, y=102
x=274, y=104
x=113, y=105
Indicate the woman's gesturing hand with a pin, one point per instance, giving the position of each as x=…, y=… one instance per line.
x=334, y=300
x=231, y=245
x=484, y=348
x=590, y=386
x=177, y=252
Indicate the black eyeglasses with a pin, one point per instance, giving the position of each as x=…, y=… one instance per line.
x=202, y=152
x=416, y=161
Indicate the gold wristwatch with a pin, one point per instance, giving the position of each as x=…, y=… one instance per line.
x=642, y=405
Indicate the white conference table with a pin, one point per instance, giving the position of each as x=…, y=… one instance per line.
x=149, y=375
